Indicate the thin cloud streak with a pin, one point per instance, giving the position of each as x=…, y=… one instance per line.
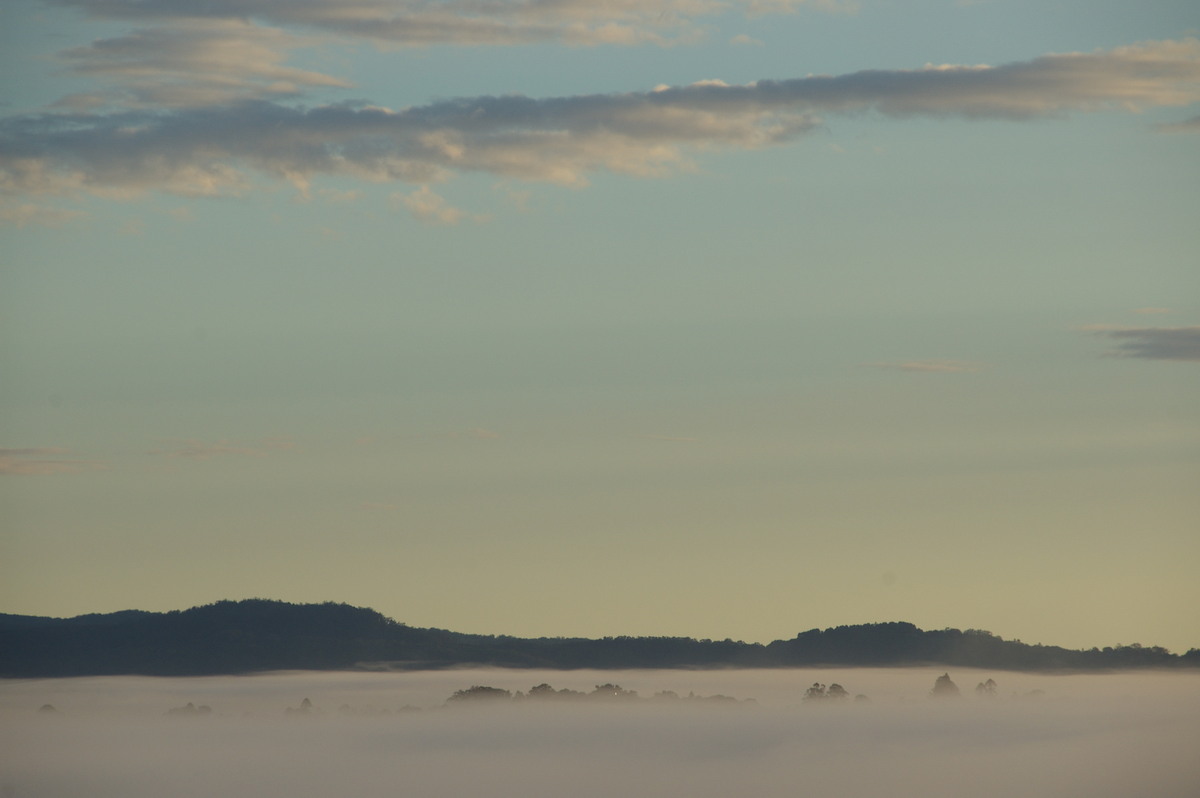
x=418, y=23
x=41, y=461
x=225, y=149
x=1154, y=343
x=428, y=207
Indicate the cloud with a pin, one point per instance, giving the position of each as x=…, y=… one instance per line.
x=1151, y=311
x=1153, y=343
x=428, y=207
x=761, y=8
x=201, y=450
x=465, y=22
x=745, y=39
x=202, y=62
x=227, y=148
x=41, y=461
x=928, y=366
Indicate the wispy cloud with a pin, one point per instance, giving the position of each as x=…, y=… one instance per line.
x=226, y=148
x=760, y=8
x=1152, y=311
x=668, y=438
x=205, y=62
x=1153, y=343
x=466, y=22
x=192, y=449
x=41, y=461
x=428, y=207
x=191, y=54
x=927, y=366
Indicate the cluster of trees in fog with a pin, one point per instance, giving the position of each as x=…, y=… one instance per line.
x=607, y=693
x=603, y=692
x=260, y=635
x=943, y=688
x=833, y=693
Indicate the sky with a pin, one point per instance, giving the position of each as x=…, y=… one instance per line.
x=547, y=317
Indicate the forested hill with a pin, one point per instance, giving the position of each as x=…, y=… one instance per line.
x=259, y=635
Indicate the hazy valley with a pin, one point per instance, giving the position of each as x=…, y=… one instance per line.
x=377, y=734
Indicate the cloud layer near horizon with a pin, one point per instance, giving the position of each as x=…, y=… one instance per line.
x=221, y=149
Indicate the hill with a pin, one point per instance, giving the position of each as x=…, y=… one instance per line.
x=231, y=637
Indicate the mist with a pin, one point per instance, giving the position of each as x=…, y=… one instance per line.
x=388, y=734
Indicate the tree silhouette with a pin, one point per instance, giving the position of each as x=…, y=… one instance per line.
x=986, y=689
x=545, y=691
x=944, y=688
x=612, y=691
x=480, y=692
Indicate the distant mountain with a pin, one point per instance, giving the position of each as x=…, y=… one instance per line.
x=231, y=637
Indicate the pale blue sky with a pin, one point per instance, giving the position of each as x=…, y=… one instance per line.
x=733, y=361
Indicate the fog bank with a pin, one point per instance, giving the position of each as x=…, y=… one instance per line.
x=1039, y=735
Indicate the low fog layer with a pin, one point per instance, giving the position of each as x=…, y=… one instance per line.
x=392, y=734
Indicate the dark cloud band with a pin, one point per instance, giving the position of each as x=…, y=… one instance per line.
x=1156, y=343
x=223, y=148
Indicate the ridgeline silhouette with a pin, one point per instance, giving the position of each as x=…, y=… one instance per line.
x=231, y=637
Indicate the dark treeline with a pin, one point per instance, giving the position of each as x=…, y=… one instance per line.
x=259, y=635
